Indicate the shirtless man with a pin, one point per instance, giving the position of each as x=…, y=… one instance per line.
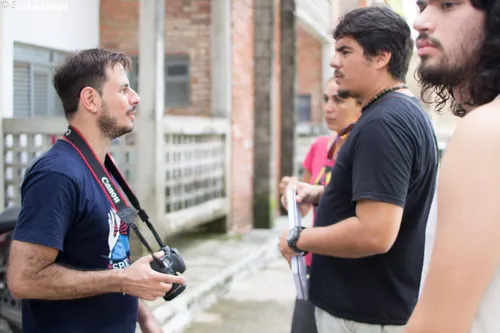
x=458, y=45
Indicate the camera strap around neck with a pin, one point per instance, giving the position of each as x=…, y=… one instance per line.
x=104, y=175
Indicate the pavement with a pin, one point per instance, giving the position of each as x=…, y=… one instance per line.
x=261, y=303
x=4, y=328
x=214, y=264
x=235, y=283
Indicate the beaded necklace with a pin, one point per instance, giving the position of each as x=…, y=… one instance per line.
x=382, y=93
x=343, y=133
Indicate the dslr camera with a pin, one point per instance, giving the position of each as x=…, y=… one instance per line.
x=170, y=263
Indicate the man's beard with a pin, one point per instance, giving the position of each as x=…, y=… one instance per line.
x=345, y=93
x=109, y=125
x=455, y=69
x=446, y=72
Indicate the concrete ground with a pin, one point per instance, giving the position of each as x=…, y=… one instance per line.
x=235, y=284
x=261, y=303
x=3, y=327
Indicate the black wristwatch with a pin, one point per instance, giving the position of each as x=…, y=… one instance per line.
x=293, y=237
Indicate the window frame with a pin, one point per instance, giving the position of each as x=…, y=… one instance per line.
x=37, y=59
x=299, y=108
x=170, y=60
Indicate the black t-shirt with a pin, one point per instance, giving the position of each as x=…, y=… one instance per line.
x=389, y=156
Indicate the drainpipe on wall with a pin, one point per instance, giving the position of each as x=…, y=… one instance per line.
x=2, y=154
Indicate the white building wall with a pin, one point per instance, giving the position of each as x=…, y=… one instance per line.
x=65, y=25
x=316, y=15
x=2, y=70
x=445, y=123
x=318, y=18
x=410, y=12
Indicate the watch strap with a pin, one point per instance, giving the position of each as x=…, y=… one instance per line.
x=293, y=242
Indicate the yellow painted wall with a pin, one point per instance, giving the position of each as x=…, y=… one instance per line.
x=397, y=6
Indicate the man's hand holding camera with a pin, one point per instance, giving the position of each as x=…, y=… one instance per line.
x=140, y=280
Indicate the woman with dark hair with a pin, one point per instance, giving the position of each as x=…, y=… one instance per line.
x=340, y=115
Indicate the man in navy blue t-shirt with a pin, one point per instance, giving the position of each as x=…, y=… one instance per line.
x=70, y=255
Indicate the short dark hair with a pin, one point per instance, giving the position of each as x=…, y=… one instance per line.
x=86, y=68
x=379, y=29
x=484, y=78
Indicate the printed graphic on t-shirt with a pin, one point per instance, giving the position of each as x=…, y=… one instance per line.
x=323, y=177
x=118, y=242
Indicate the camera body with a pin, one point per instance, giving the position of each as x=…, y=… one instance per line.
x=170, y=263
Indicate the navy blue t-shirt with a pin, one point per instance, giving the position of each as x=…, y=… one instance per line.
x=63, y=207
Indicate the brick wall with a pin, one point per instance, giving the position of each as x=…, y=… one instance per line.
x=119, y=29
x=309, y=68
x=242, y=115
x=362, y=3
x=187, y=31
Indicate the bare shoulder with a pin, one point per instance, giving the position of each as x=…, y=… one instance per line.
x=483, y=122
x=478, y=131
x=473, y=153
x=466, y=249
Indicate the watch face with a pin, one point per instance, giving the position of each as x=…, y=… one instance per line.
x=291, y=234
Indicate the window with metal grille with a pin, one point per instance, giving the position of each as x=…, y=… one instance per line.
x=177, y=83
x=34, y=94
x=303, y=108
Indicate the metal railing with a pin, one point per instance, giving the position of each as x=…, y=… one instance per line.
x=194, y=163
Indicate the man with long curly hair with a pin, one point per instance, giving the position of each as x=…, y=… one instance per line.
x=459, y=47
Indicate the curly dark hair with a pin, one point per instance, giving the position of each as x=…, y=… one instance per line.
x=484, y=83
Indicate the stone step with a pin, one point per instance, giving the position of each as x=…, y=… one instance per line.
x=214, y=263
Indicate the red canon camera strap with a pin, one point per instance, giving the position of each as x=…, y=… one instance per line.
x=105, y=177
x=100, y=173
